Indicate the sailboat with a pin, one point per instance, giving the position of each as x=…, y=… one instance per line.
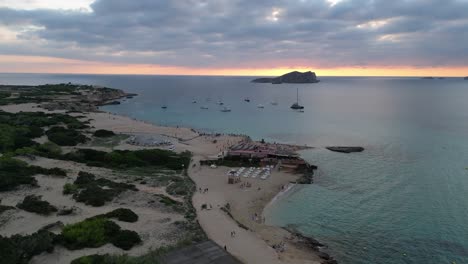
x=226, y=109
x=296, y=105
x=260, y=106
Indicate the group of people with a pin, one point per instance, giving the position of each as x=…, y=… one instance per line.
x=205, y=190
x=257, y=218
x=233, y=233
x=245, y=185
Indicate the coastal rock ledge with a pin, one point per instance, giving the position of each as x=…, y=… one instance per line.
x=346, y=149
x=292, y=77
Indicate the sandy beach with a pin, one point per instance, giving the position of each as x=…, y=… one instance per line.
x=254, y=245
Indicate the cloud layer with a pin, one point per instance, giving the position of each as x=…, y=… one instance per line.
x=245, y=33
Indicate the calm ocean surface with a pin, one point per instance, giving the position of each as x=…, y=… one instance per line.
x=403, y=200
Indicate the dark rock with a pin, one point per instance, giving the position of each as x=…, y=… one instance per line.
x=428, y=78
x=323, y=255
x=466, y=78
x=346, y=149
x=292, y=77
x=112, y=103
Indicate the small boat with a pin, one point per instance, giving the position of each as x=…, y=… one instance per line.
x=296, y=105
x=204, y=107
x=220, y=103
x=194, y=101
x=247, y=100
x=274, y=103
x=164, y=107
x=226, y=109
x=260, y=106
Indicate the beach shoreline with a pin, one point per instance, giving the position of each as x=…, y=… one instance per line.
x=260, y=243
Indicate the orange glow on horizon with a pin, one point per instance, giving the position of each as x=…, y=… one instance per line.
x=37, y=64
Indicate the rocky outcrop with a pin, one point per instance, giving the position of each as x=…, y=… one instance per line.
x=346, y=149
x=466, y=78
x=292, y=77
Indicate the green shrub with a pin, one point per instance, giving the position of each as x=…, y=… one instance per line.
x=49, y=149
x=178, y=188
x=131, y=159
x=84, y=178
x=34, y=204
x=126, y=239
x=103, y=133
x=20, y=249
x=123, y=214
x=4, y=208
x=90, y=233
x=95, y=196
x=14, y=172
x=96, y=232
x=69, y=188
x=91, y=192
x=65, y=137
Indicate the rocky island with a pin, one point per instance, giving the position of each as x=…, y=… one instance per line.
x=346, y=149
x=292, y=77
x=466, y=78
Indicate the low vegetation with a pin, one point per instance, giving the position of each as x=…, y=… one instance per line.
x=17, y=130
x=125, y=159
x=14, y=172
x=20, y=249
x=95, y=191
x=103, y=133
x=4, y=208
x=35, y=204
x=122, y=214
x=65, y=137
x=96, y=232
x=153, y=257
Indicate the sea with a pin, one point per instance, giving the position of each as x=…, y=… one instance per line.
x=403, y=200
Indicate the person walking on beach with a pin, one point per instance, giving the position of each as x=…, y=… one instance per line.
x=225, y=248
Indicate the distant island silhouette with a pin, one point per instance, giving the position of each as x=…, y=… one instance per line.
x=292, y=77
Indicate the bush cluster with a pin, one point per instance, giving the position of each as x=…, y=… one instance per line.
x=96, y=232
x=18, y=129
x=4, y=208
x=14, y=172
x=65, y=136
x=35, y=204
x=20, y=249
x=130, y=159
x=122, y=214
x=103, y=133
x=96, y=191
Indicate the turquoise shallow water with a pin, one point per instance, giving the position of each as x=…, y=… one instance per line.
x=403, y=200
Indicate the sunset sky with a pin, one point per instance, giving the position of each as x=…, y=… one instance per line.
x=235, y=37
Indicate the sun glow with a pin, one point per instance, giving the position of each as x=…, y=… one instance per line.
x=275, y=14
x=38, y=64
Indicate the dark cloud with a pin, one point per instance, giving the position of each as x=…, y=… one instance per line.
x=241, y=33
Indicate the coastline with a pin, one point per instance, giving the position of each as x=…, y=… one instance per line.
x=255, y=245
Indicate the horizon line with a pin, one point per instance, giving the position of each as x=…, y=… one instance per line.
x=229, y=75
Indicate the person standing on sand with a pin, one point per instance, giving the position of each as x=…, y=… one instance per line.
x=225, y=248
